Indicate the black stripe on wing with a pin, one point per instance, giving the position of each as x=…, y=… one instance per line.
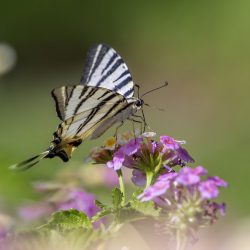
x=95, y=110
x=61, y=97
x=94, y=57
x=91, y=93
x=118, y=63
x=105, y=68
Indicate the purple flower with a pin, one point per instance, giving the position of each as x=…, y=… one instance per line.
x=185, y=198
x=154, y=146
x=63, y=199
x=211, y=209
x=184, y=156
x=169, y=169
x=168, y=176
x=132, y=146
x=218, y=181
x=80, y=200
x=208, y=189
x=159, y=188
x=35, y=211
x=169, y=143
x=222, y=208
x=138, y=177
x=117, y=161
x=126, y=150
x=189, y=176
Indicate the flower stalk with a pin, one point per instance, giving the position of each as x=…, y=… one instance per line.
x=149, y=178
x=181, y=240
x=122, y=186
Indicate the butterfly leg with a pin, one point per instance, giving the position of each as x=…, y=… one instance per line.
x=143, y=122
x=116, y=130
x=133, y=121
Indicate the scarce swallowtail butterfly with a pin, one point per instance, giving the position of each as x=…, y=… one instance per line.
x=104, y=97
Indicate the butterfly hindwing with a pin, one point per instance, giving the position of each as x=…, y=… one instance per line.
x=105, y=68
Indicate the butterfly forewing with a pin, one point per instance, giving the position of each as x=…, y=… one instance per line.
x=105, y=68
x=87, y=111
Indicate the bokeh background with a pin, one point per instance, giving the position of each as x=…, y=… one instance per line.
x=200, y=47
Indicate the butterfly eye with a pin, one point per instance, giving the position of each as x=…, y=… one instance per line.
x=139, y=103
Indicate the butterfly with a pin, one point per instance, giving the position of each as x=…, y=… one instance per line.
x=104, y=97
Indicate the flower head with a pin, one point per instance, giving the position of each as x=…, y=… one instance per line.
x=169, y=143
x=189, y=176
x=186, y=196
x=80, y=200
x=63, y=198
x=124, y=151
x=144, y=154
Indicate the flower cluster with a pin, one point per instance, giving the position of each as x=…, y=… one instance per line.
x=147, y=157
x=186, y=197
x=60, y=197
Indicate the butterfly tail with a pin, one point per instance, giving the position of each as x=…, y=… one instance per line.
x=24, y=165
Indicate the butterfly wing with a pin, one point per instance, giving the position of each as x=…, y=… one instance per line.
x=87, y=111
x=72, y=100
x=105, y=68
x=105, y=79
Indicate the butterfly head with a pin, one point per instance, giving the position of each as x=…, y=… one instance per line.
x=138, y=104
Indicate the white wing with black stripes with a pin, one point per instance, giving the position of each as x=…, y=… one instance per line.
x=105, y=68
x=104, y=97
x=84, y=108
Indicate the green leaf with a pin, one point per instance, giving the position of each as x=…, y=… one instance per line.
x=101, y=214
x=147, y=208
x=100, y=204
x=117, y=197
x=68, y=220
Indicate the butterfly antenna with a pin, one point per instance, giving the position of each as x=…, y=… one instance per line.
x=162, y=86
x=138, y=90
x=160, y=109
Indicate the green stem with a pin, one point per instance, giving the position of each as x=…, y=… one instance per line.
x=149, y=177
x=122, y=186
x=181, y=240
x=159, y=166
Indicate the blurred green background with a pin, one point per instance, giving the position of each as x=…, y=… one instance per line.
x=200, y=47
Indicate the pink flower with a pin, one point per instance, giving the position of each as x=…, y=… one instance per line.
x=169, y=143
x=80, y=200
x=138, y=177
x=218, y=181
x=126, y=150
x=189, y=176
